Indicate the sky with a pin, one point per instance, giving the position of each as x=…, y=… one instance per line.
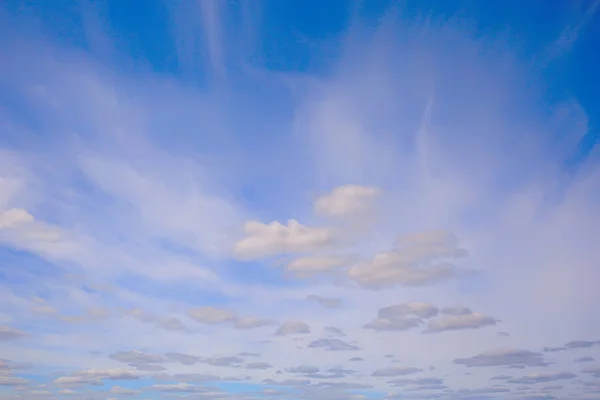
x=299, y=199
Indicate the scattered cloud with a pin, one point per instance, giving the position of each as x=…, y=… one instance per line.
x=504, y=357
x=267, y=240
x=346, y=200
x=293, y=327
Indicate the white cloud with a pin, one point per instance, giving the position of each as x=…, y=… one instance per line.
x=417, y=260
x=346, y=200
x=306, y=267
x=266, y=240
x=463, y=321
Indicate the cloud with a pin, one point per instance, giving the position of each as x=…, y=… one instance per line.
x=416, y=261
x=184, y=359
x=334, y=331
x=325, y=302
x=211, y=315
x=303, y=369
x=542, y=378
x=264, y=240
x=395, y=371
x=292, y=327
x=258, y=365
x=504, y=357
x=9, y=333
x=458, y=322
x=404, y=316
x=346, y=200
x=135, y=357
x=307, y=267
x=332, y=345
x=417, y=309
x=584, y=359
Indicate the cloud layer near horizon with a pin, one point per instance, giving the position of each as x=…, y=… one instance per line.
x=401, y=226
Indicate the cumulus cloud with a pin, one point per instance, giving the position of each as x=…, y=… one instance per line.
x=293, y=327
x=461, y=321
x=346, y=200
x=266, y=240
x=400, y=317
x=417, y=260
x=310, y=266
x=504, y=357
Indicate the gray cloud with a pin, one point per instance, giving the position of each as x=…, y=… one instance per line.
x=303, y=369
x=417, y=309
x=459, y=322
x=584, y=359
x=393, y=324
x=147, y=367
x=137, y=357
x=223, y=361
x=510, y=357
x=333, y=331
x=8, y=333
x=258, y=365
x=542, y=378
x=185, y=359
x=456, y=310
x=395, y=371
x=325, y=302
x=332, y=345
x=293, y=327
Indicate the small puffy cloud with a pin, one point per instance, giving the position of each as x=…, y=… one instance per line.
x=251, y=322
x=332, y=345
x=258, y=365
x=307, y=267
x=417, y=309
x=417, y=260
x=395, y=371
x=401, y=317
x=266, y=240
x=303, y=369
x=504, y=357
x=393, y=324
x=459, y=322
x=211, y=315
x=134, y=356
x=293, y=327
x=540, y=377
x=223, y=361
x=12, y=381
x=325, y=302
x=9, y=333
x=584, y=359
x=346, y=200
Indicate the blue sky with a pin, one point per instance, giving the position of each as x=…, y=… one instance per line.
x=299, y=199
